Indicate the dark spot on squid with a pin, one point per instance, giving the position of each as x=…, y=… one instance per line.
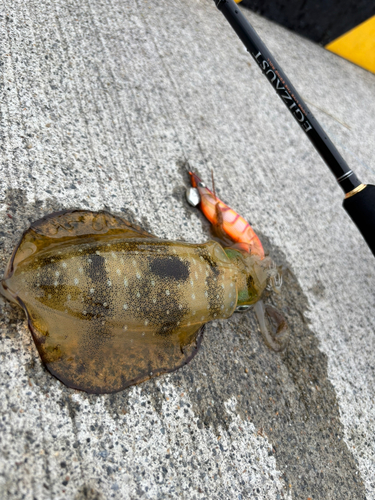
x=95, y=310
x=167, y=311
x=208, y=259
x=170, y=268
x=214, y=291
x=251, y=290
x=95, y=268
x=96, y=336
x=250, y=281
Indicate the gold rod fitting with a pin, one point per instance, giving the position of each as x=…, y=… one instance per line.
x=355, y=190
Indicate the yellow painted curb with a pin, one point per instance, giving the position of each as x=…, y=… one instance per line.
x=357, y=45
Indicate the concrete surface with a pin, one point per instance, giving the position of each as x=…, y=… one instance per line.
x=103, y=102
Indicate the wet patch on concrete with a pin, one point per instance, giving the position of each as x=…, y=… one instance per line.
x=88, y=493
x=286, y=395
x=128, y=214
x=117, y=404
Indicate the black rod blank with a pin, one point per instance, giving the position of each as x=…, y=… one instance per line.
x=288, y=94
x=359, y=201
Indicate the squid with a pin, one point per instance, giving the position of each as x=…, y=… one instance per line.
x=110, y=305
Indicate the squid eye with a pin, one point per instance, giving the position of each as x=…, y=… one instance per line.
x=241, y=309
x=201, y=185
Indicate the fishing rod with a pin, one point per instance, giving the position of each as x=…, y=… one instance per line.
x=359, y=201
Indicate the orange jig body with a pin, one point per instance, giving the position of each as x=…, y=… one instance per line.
x=225, y=219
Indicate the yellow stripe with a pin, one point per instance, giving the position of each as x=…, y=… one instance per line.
x=357, y=45
x=238, y=1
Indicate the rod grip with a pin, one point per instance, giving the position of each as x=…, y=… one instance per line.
x=361, y=209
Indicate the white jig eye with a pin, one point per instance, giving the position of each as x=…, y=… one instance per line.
x=193, y=197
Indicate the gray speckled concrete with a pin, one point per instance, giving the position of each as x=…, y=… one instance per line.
x=103, y=102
